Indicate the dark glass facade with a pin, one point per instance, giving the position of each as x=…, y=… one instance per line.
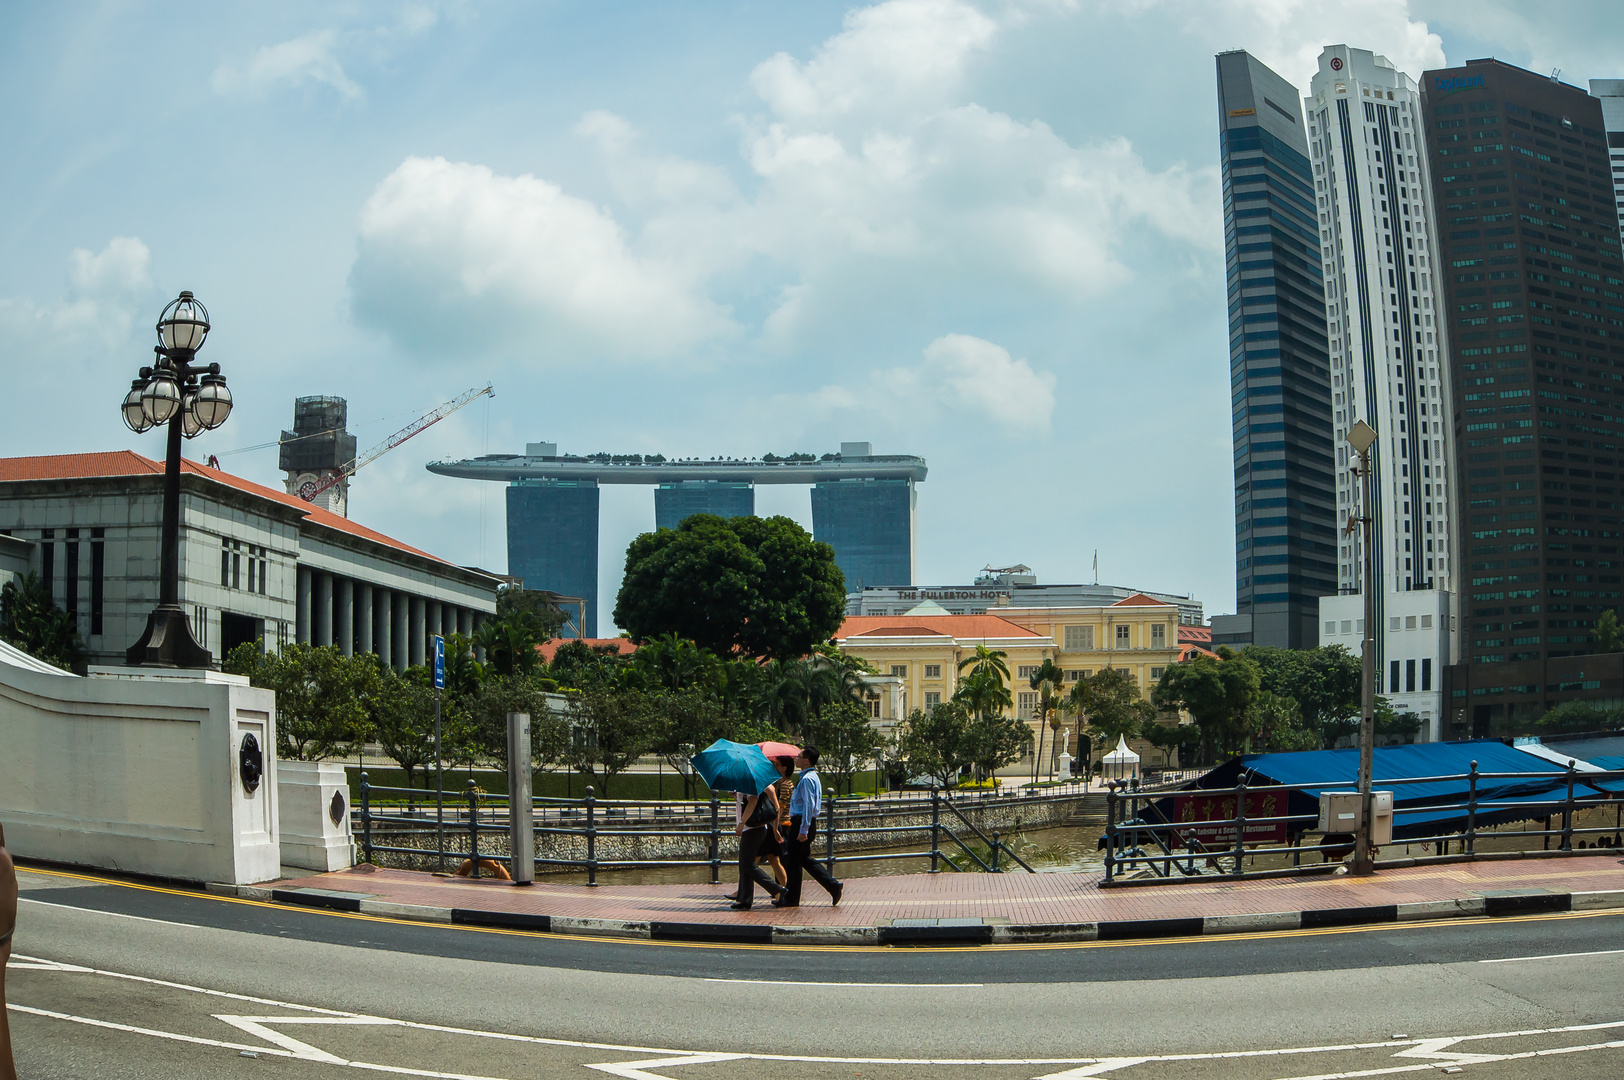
x=870, y=524
x=552, y=531
x=1280, y=382
x=1534, y=295
x=683, y=499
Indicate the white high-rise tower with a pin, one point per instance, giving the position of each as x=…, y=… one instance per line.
x=1389, y=368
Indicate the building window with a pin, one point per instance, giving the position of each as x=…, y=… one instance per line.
x=225, y=563
x=1409, y=676
x=1027, y=705
x=1122, y=636
x=1330, y=626
x=1347, y=626
x=1156, y=674
x=933, y=671
x=1409, y=622
x=1158, y=636
x=899, y=671
x=1426, y=622
x=1426, y=674
x=98, y=568
x=47, y=561
x=1026, y=671
x=873, y=706
x=1075, y=674
x=70, y=576
x=932, y=699
x=1079, y=638
x=1392, y=677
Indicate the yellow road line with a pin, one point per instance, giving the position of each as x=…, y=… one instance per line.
x=1261, y=935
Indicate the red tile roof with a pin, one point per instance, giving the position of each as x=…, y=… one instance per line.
x=1190, y=651
x=129, y=463
x=1195, y=635
x=1140, y=600
x=625, y=645
x=956, y=626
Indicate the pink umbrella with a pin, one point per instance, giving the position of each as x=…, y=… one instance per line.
x=779, y=749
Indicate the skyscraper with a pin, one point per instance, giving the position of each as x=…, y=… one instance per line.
x=552, y=528
x=1285, y=527
x=1534, y=292
x=870, y=524
x=1610, y=92
x=676, y=500
x=1389, y=368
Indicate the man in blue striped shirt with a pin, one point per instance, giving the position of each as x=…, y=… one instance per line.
x=804, y=805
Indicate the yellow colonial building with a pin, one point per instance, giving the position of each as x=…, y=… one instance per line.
x=918, y=653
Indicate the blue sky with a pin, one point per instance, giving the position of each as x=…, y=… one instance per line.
x=984, y=232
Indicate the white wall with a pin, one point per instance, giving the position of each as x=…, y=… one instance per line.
x=137, y=772
x=1418, y=631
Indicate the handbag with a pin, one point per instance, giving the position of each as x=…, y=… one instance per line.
x=765, y=813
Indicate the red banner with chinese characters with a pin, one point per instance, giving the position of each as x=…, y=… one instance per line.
x=1220, y=805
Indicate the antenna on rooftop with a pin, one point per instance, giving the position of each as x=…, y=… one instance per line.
x=1556, y=74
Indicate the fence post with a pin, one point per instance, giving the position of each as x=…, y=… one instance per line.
x=715, y=845
x=521, y=808
x=591, y=838
x=1110, y=829
x=935, y=828
x=1567, y=813
x=997, y=846
x=366, y=821
x=473, y=829
x=1471, y=810
x=1240, y=827
x=829, y=834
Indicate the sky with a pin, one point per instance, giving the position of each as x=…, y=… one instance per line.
x=986, y=232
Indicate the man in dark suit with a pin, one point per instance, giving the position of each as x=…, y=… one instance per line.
x=804, y=805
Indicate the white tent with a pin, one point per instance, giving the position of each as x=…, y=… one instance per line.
x=1121, y=763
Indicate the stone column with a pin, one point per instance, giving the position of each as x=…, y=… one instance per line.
x=383, y=606
x=432, y=610
x=419, y=631
x=301, y=627
x=344, y=617
x=321, y=623
x=402, y=651
x=363, y=616
x=465, y=622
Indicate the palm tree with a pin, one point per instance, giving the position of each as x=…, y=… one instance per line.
x=985, y=659
x=1047, y=680
x=983, y=693
x=786, y=694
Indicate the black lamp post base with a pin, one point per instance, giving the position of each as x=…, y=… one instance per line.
x=168, y=642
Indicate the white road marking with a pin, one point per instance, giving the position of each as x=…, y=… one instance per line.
x=1099, y=1068
x=888, y=986
x=1552, y=956
x=633, y=1070
x=112, y=914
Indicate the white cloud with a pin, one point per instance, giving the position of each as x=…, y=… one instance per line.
x=105, y=289
x=961, y=377
x=307, y=59
x=454, y=256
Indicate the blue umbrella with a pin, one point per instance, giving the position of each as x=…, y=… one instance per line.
x=731, y=766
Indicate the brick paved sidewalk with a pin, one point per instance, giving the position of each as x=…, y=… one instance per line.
x=1016, y=906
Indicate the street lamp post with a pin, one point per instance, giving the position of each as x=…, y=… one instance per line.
x=189, y=399
x=1361, y=437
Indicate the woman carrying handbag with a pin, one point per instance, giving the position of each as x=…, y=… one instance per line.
x=757, y=818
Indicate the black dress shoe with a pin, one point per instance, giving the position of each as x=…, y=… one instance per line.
x=730, y=896
x=780, y=903
x=834, y=897
x=736, y=906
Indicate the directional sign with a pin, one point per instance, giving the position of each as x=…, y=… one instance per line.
x=439, y=662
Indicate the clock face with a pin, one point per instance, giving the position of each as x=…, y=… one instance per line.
x=307, y=490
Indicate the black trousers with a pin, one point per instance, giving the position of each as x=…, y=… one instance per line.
x=749, y=873
x=799, y=858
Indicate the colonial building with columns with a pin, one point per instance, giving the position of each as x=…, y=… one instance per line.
x=255, y=563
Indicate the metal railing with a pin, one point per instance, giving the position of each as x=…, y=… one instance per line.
x=402, y=822
x=1139, y=838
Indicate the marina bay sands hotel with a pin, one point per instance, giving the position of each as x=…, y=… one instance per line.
x=863, y=505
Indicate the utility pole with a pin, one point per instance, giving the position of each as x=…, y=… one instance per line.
x=1361, y=437
x=439, y=775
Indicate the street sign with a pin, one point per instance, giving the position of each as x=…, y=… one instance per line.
x=439, y=662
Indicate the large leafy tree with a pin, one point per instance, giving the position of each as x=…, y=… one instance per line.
x=993, y=740
x=1217, y=692
x=614, y=728
x=1110, y=703
x=1324, y=682
x=323, y=698
x=30, y=621
x=847, y=741
x=510, y=642
x=935, y=742
x=579, y=666
x=753, y=586
x=516, y=600
x=1609, y=635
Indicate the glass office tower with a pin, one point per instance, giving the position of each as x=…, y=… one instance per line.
x=1534, y=292
x=1285, y=526
x=682, y=499
x=1610, y=92
x=870, y=524
x=552, y=531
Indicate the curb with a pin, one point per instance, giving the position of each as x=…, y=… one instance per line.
x=931, y=932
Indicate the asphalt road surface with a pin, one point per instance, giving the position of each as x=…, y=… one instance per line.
x=114, y=979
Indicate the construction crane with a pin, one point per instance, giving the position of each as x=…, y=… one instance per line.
x=427, y=420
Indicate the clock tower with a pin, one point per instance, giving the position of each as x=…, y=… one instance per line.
x=318, y=449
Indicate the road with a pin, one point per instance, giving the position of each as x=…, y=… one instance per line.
x=122, y=980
